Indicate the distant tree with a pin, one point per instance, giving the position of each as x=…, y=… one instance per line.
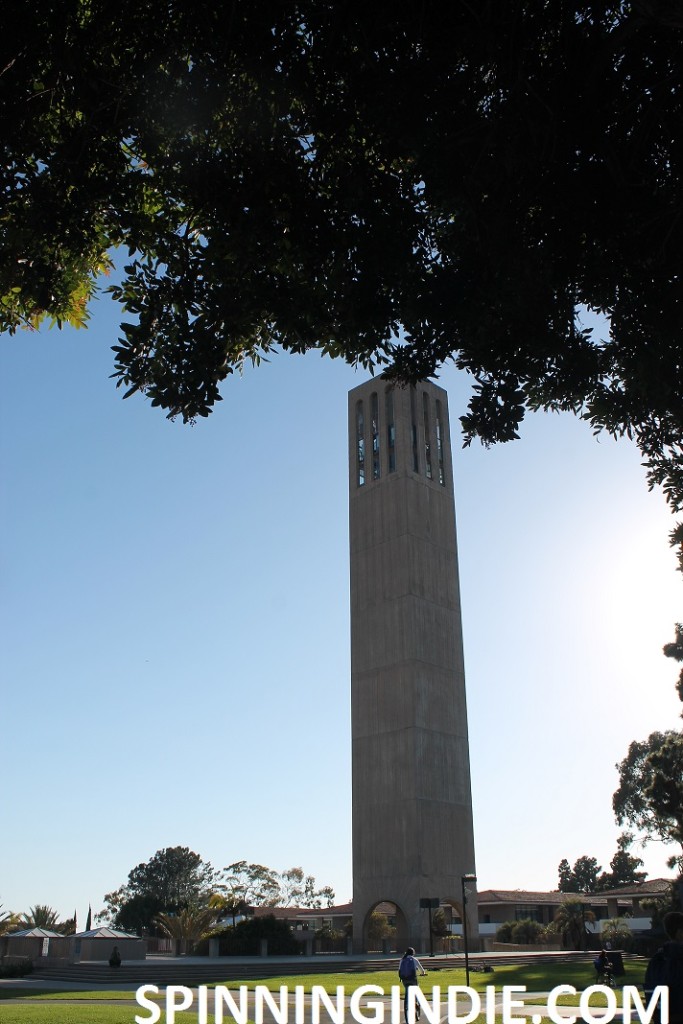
x=675, y=649
x=439, y=925
x=291, y=887
x=174, y=879
x=191, y=924
x=228, y=903
x=566, y=881
x=9, y=921
x=379, y=929
x=315, y=898
x=179, y=877
x=583, y=877
x=588, y=876
x=570, y=921
x=252, y=884
x=586, y=871
x=256, y=885
x=623, y=866
x=41, y=916
x=135, y=914
x=650, y=793
x=440, y=929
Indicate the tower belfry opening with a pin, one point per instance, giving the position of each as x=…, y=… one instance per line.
x=413, y=838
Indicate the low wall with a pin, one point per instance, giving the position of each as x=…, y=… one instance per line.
x=101, y=949
x=27, y=947
x=69, y=949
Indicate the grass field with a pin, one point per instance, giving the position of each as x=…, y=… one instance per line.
x=539, y=978
x=51, y=1014
x=105, y=1015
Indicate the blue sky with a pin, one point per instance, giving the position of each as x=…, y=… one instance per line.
x=175, y=649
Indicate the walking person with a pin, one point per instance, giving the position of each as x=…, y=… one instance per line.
x=407, y=972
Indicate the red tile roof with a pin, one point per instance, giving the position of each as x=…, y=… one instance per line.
x=653, y=887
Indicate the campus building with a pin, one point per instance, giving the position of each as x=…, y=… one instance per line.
x=631, y=904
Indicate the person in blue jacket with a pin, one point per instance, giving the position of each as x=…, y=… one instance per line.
x=407, y=972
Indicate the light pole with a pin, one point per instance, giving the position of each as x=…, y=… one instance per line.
x=466, y=878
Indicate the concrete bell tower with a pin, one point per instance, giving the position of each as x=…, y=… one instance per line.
x=413, y=837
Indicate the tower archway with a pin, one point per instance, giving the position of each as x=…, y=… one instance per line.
x=458, y=918
x=385, y=928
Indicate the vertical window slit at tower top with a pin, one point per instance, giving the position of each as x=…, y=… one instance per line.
x=374, y=415
x=360, y=443
x=391, y=428
x=439, y=443
x=428, y=447
x=413, y=429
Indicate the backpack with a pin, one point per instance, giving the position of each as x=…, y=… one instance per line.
x=407, y=969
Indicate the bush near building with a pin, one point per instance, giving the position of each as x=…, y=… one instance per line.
x=524, y=933
x=245, y=938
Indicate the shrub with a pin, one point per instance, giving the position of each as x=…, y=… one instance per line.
x=525, y=932
x=244, y=939
x=17, y=969
x=617, y=933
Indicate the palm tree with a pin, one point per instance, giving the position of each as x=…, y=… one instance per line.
x=228, y=903
x=8, y=921
x=41, y=916
x=190, y=924
x=570, y=921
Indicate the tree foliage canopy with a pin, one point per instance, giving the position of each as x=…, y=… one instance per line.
x=250, y=884
x=588, y=876
x=192, y=923
x=675, y=650
x=9, y=921
x=398, y=185
x=624, y=866
x=173, y=880
x=41, y=916
x=650, y=793
x=570, y=921
x=583, y=877
x=243, y=885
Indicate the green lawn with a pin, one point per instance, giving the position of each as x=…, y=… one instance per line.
x=45, y=993
x=36, y=1014
x=101, y=1015
x=537, y=978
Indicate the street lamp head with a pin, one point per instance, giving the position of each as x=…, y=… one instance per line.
x=469, y=878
